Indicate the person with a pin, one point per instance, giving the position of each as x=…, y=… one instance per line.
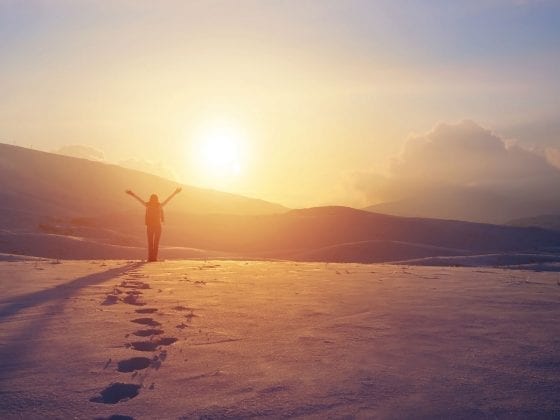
x=153, y=218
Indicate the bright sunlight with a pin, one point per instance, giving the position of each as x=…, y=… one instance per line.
x=219, y=151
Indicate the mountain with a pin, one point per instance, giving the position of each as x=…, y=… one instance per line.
x=63, y=207
x=546, y=221
x=465, y=204
x=310, y=229
x=330, y=234
x=37, y=187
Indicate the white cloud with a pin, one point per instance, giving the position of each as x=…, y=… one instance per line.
x=463, y=155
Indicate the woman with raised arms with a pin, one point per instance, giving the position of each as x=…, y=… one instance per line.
x=154, y=218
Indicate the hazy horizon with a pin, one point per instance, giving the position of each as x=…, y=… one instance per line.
x=298, y=103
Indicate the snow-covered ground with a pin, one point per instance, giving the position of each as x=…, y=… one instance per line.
x=248, y=339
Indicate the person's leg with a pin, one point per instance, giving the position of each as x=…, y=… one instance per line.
x=157, y=235
x=150, y=234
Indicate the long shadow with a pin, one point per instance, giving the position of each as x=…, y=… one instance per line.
x=14, y=354
x=61, y=291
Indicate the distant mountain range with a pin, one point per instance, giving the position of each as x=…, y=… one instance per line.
x=303, y=230
x=547, y=221
x=62, y=207
x=467, y=204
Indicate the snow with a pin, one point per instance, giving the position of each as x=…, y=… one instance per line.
x=276, y=339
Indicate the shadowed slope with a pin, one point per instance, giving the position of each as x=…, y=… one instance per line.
x=465, y=204
x=308, y=229
x=317, y=234
x=43, y=184
x=546, y=221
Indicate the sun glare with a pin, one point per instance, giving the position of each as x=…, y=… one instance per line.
x=219, y=150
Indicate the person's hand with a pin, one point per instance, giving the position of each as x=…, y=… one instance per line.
x=129, y=192
x=178, y=190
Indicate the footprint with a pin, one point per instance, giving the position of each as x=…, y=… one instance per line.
x=135, y=363
x=110, y=300
x=167, y=341
x=146, y=310
x=134, y=284
x=146, y=321
x=144, y=345
x=162, y=355
x=133, y=299
x=116, y=392
x=181, y=308
x=152, y=345
x=191, y=316
x=147, y=333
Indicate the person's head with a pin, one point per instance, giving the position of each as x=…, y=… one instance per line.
x=154, y=199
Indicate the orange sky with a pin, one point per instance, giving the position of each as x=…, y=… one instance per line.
x=318, y=90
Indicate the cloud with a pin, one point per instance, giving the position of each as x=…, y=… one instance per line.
x=155, y=168
x=81, y=151
x=463, y=155
x=552, y=156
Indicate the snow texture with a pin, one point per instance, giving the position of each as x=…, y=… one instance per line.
x=237, y=339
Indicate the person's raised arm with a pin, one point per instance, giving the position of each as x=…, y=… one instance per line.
x=177, y=191
x=131, y=193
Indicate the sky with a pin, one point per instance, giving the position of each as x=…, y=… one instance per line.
x=299, y=102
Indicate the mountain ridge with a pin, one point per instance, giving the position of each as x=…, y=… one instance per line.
x=79, y=207
x=466, y=204
x=48, y=184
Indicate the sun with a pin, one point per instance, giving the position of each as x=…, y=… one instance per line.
x=219, y=150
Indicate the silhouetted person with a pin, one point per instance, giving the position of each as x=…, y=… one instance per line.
x=154, y=217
